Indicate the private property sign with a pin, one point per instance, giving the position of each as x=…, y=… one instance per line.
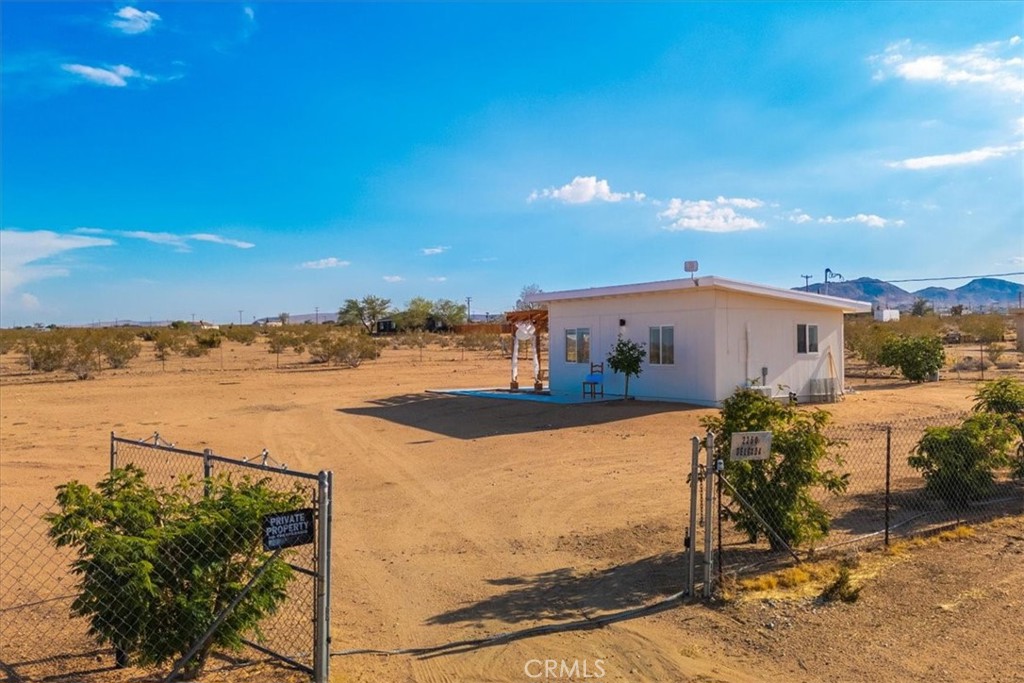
x=286, y=529
x=750, y=446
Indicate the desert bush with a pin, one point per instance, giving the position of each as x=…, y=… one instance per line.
x=345, y=347
x=1002, y=396
x=971, y=364
x=10, y=340
x=958, y=463
x=1008, y=364
x=47, y=351
x=241, y=334
x=149, y=334
x=167, y=342
x=866, y=338
x=192, y=349
x=780, y=487
x=155, y=566
x=208, y=339
x=118, y=348
x=916, y=357
x=481, y=341
x=82, y=357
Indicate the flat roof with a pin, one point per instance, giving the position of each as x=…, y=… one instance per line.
x=704, y=282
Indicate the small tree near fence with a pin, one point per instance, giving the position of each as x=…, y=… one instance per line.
x=627, y=357
x=156, y=567
x=780, y=488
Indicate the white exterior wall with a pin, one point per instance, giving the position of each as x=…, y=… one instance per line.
x=712, y=354
x=690, y=378
x=755, y=332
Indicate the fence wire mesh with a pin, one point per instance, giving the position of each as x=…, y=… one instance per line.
x=884, y=496
x=202, y=557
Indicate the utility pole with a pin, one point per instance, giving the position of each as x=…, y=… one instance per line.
x=807, y=282
x=316, y=314
x=468, y=300
x=240, y=316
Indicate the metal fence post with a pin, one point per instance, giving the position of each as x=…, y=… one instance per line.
x=691, y=548
x=322, y=620
x=709, y=524
x=888, y=479
x=207, y=472
x=113, y=453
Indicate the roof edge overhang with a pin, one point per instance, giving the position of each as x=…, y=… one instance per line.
x=700, y=283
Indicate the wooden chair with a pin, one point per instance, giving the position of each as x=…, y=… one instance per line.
x=593, y=383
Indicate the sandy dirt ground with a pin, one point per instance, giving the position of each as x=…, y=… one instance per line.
x=457, y=518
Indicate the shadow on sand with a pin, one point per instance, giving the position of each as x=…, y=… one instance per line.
x=469, y=417
x=563, y=594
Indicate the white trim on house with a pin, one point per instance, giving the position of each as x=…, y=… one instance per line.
x=706, y=282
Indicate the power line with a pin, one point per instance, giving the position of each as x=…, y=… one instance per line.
x=953, y=277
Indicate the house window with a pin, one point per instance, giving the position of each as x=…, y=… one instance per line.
x=806, y=338
x=577, y=345
x=662, y=348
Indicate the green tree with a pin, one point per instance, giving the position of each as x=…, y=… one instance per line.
x=415, y=315
x=866, y=339
x=917, y=358
x=627, y=357
x=958, y=463
x=522, y=304
x=780, y=488
x=447, y=313
x=920, y=307
x=156, y=566
x=367, y=312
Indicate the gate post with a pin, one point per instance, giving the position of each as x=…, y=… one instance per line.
x=709, y=524
x=691, y=548
x=113, y=453
x=322, y=618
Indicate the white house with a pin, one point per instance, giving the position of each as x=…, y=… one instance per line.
x=704, y=337
x=885, y=315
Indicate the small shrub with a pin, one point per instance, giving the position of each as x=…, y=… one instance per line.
x=208, y=339
x=958, y=463
x=119, y=348
x=192, y=349
x=841, y=588
x=627, y=357
x=241, y=334
x=47, y=351
x=971, y=364
x=166, y=343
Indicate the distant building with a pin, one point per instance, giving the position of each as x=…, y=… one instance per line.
x=885, y=315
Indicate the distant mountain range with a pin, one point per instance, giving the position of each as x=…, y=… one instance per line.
x=977, y=295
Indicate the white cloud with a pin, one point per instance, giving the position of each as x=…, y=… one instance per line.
x=169, y=239
x=249, y=13
x=974, y=156
x=114, y=76
x=711, y=215
x=439, y=278
x=799, y=217
x=995, y=65
x=330, y=262
x=21, y=252
x=393, y=278
x=217, y=239
x=433, y=251
x=133, y=21
x=585, y=189
x=869, y=219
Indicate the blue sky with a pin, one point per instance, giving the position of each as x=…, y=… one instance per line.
x=164, y=160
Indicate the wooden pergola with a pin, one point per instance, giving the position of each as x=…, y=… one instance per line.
x=539, y=319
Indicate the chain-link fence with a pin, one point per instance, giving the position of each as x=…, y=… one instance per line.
x=181, y=555
x=891, y=479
